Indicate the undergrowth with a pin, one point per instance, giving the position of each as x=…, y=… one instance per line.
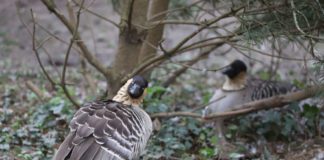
x=32, y=129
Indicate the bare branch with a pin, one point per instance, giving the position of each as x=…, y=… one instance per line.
x=174, y=114
x=184, y=68
x=178, y=22
x=207, y=24
x=37, y=54
x=87, y=76
x=74, y=38
x=272, y=102
x=30, y=85
x=97, y=15
x=37, y=42
x=266, y=54
x=203, y=43
x=58, y=38
x=86, y=53
x=173, y=51
x=70, y=12
x=297, y=24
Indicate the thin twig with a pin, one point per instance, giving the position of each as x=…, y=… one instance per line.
x=37, y=42
x=86, y=52
x=59, y=39
x=207, y=24
x=266, y=54
x=174, y=50
x=74, y=38
x=188, y=65
x=295, y=17
x=87, y=77
x=320, y=6
x=198, y=45
x=70, y=12
x=176, y=22
x=97, y=15
x=30, y=85
x=294, y=10
x=205, y=105
x=37, y=54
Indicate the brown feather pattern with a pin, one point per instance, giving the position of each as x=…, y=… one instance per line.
x=106, y=130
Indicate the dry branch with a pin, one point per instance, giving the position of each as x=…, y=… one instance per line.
x=37, y=54
x=184, y=68
x=174, y=50
x=30, y=85
x=74, y=38
x=178, y=22
x=204, y=26
x=241, y=47
x=174, y=114
x=96, y=14
x=31, y=34
x=272, y=102
x=86, y=53
x=87, y=76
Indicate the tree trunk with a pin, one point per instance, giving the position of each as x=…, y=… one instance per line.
x=132, y=33
x=155, y=34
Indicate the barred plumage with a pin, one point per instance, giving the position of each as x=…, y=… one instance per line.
x=239, y=89
x=260, y=89
x=107, y=130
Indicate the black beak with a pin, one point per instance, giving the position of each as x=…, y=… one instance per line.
x=230, y=72
x=227, y=70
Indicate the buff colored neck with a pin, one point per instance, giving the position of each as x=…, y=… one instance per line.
x=123, y=97
x=236, y=83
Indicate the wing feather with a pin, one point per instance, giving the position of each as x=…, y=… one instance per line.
x=265, y=89
x=106, y=129
x=65, y=148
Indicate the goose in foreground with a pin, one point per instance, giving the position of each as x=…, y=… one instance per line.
x=239, y=88
x=111, y=129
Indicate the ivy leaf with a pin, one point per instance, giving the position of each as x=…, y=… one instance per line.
x=214, y=140
x=310, y=112
x=236, y=155
x=207, y=152
x=57, y=109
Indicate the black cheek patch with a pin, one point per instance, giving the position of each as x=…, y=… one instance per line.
x=231, y=73
x=135, y=91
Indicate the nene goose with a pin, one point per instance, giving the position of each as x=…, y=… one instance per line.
x=237, y=89
x=111, y=129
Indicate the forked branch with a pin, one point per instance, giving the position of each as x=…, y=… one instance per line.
x=174, y=50
x=71, y=27
x=37, y=54
x=74, y=38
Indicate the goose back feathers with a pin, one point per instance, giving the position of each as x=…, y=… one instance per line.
x=110, y=129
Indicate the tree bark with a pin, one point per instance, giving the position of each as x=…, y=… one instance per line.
x=155, y=34
x=132, y=33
